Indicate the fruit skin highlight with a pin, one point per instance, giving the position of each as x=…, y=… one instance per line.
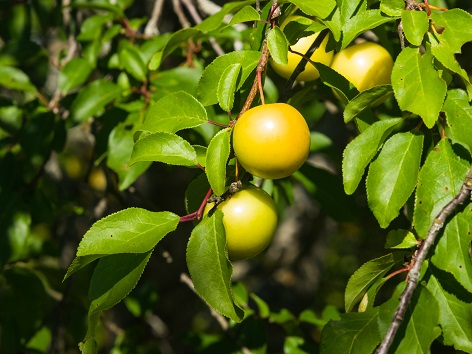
x=365, y=65
x=319, y=55
x=271, y=141
x=250, y=221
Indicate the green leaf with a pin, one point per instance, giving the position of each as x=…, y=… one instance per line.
x=92, y=27
x=422, y=318
x=415, y=25
x=348, y=9
x=208, y=84
x=459, y=118
x=392, y=7
x=278, y=45
x=439, y=181
x=339, y=83
x=366, y=275
x=400, y=239
x=263, y=307
x=209, y=267
x=417, y=85
x=174, y=112
x=227, y=86
x=164, y=147
x=365, y=100
x=196, y=192
x=457, y=29
x=15, y=79
x=246, y=14
x=74, y=74
x=216, y=159
x=131, y=230
x=214, y=21
x=133, y=63
x=392, y=176
x=455, y=315
x=103, y=5
x=452, y=252
x=113, y=278
x=120, y=147
x=360, y=23
x=321, y=9
x=354, y=333
x=92, y=99
x=360, y=151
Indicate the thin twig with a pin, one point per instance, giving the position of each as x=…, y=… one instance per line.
x=180, y=14
x=414, y=273
x=302, y=64
x=151, y=27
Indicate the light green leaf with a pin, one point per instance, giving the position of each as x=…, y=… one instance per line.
x=459, y=118
x=354, y=333
x=452, y=252
x=133, y=63
x=174, y=112
x=360, y=23
x=400, y=239
x=415, y=25
x=457, y=28
x=15, y=79
x=321, y=9
x=74, y=74
x=246, y=14
x=392, y=176
x=227, y=86
x=365, y=100
x=214, y=21
x=366, y=275
x=278, y=45
x=164, y=147
x=348, y=9
x=392, y=7
x=439, y=181
x=208, y=84
x=360, y=151
x=131, y=230
x=216, y=159
x=417, y=85
x=209, y=267
x=92, y=99
x=113, y=278
x=455, y=315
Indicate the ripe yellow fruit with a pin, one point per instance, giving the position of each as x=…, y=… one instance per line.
x=250, y=221
x=271, y=141
x=365, y=65
x=319, y=55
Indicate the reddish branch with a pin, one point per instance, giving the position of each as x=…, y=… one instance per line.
x=414, y=273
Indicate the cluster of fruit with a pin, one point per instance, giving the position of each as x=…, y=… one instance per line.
x=272, y=141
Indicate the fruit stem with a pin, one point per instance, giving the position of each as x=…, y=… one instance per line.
x=259, y=82
x=217, y=124
x=197, y=215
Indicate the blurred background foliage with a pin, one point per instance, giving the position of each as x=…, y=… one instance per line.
x=59, y=174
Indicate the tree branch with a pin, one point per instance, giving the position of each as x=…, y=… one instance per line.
x=414, y=273
x=151, y=26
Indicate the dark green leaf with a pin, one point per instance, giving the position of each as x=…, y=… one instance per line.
x=366, y=275
x=278, y=45
x=246, y=14
x=452, y=253
x=339, y=83
x=209, y=267
x=15, y=79
x=440, y=179
x=92, y=99
x=354, y=333
x=196, y=192
x=360, y=151
x=216, y=159
x=92, y=27
x=131, y=230
x=459, y=118
x=174, y=112
x=417, y=85
x=74, y=74
x=114, y=277
x=227, y=86
x=415, y=25
x=365, y=100
x=392, y=176
x=164, y=147
x=208, y=85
